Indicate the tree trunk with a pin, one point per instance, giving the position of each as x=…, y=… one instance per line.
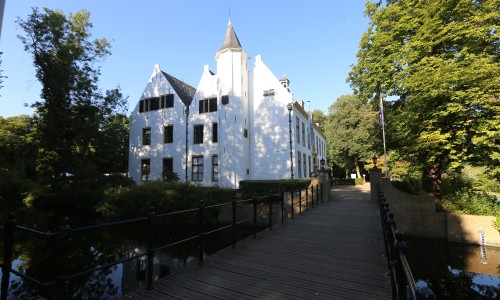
x=431, y=181
x=358, y=174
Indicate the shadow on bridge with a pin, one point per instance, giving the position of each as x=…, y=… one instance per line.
x=334, y=251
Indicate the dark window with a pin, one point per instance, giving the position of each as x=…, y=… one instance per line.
x=215, y=134
x=168, y=168
x=303, y=134
x=155, y=103
x=167, y=101
x=168, y=135
x=207, y=105
x=299, y=163
x=198, y=134
x=245, y=133
x=141, y=106
x=197, y=168
x=212, y=104
x=215, y=168
x=146, y=136
x=305, y=165
x=145, y=169
x=149, y=104
x=225, y=100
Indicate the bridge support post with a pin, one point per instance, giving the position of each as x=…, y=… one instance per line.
x=375, y=179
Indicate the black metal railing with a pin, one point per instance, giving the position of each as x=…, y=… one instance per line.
x=403, y=283
x=276, y=204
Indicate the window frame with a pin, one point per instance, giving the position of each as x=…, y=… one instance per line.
x=215, y=132
x=215, y=167
x=145, y=169
x=146, y=136
x=197, y=164
x=168, y=134
x=166, y=101
x=198, y=134
x=164, y=167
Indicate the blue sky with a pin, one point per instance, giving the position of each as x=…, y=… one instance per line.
x=312, y=42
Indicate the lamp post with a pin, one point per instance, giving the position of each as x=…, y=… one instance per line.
x=322, y=163
x=289, y=107
x=186, y=112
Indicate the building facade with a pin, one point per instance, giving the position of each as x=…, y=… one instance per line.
x=237, y=124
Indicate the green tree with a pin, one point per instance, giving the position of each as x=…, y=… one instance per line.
x=17, y=151
x=349, y=130
x=441, y=59
x=68, y=114
x=113, y=147
x=319, y=118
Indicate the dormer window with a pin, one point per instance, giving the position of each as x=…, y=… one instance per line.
x=167, y=101
x=207, y=105
x=269, y=92
x=149, y=104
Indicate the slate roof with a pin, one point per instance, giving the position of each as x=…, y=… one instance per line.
x=182, y=89
x=230, y=40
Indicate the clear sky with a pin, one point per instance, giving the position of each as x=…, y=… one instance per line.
x=312, y=42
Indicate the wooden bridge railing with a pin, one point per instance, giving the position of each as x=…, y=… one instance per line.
x=276, y=204
x=403, y=283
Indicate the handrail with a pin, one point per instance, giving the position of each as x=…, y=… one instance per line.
x=402, y=279
x=63, y=235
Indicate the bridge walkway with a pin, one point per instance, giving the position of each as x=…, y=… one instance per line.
x=334, y=251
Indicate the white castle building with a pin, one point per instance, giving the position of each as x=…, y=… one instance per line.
x=238, y=124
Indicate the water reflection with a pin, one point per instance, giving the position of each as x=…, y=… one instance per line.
x=38, y=258
x=454, y=270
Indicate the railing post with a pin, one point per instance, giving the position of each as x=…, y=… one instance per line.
x=317, y=199
x=291, y=201
x=151, y=253
x=233, y=204
x=307, y=196
x=300, y=201
x=270, y=198
x=254, y=215
x=8, y=245
x=317, y=194
x=321, y=190
x=400, y=249
x=63, y=237
x=389, y=237
x=282, y=208
x=201, y=231
x=312, y=194
x=312, y=203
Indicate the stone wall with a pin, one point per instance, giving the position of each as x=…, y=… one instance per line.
x=416, y=216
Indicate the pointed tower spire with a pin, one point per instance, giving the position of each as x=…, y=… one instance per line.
x=230, y=40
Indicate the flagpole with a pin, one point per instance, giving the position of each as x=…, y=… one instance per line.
x=383, y=133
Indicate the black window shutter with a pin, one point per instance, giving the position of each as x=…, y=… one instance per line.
x=141, y=106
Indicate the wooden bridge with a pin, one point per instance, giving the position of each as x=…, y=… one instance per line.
x=334, y=251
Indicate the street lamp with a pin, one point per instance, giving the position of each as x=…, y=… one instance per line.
x=186, y=112
x=322, y=163
x=289, y=107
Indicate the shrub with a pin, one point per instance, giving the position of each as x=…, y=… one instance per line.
x=249, y=188
x=467, y=201
x=135, y=200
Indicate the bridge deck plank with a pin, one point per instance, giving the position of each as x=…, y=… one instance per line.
x=334, y=251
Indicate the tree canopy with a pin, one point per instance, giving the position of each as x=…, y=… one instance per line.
x=80, y=133
x=441, y=60
x=350, y=128
x=72, y=112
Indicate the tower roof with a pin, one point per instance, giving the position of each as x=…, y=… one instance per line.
x=230, y=40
